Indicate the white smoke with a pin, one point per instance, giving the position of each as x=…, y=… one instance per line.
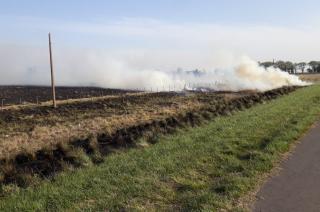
x=135, y=70
x=253, y=76
x=245, y=74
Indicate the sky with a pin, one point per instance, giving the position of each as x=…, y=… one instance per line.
x=161, y=35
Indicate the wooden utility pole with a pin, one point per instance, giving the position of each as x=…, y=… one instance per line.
x=52, y=75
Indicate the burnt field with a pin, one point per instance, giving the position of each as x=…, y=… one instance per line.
x=12, y=95
x=40, y=140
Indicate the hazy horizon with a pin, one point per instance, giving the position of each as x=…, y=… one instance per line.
x=93, y=39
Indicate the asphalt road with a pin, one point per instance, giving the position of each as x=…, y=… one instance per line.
x=297, y=186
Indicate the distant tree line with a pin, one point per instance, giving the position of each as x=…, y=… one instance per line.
x=294, y=68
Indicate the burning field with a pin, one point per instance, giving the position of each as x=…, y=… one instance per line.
x=92, y=125
x=19, y=95
x=150, y=106
x=41, y=141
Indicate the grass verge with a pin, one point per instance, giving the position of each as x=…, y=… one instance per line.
x=205, y=168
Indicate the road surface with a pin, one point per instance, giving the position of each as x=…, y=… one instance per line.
x=297, y=186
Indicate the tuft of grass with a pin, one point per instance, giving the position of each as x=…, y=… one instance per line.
x=79, y=158
x=208, y=168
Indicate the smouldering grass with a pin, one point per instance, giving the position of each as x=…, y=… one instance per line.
x=204, y=168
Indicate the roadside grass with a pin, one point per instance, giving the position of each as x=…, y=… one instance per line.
x=208, y=168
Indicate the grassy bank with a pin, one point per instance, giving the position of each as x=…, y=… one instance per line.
x=208, y=167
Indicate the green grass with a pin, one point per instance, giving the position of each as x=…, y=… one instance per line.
x=205, y=168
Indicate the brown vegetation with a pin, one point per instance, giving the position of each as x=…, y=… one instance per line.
x=42, y=141
x=310, y=77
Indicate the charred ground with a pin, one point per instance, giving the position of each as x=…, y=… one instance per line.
x=36, y=94
x=41, y=141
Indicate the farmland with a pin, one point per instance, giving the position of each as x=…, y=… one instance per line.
x=13, y=95
x=210, y=167
x=97, y=126
x=159, y=106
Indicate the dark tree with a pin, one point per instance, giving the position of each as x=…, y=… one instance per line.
x=267, y=64
x=315, y=66
x=301, y=66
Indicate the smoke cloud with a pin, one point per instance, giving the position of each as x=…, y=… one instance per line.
x=137, y=70
x=245, y=74
x=253, y=76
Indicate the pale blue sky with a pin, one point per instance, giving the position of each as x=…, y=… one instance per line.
x=222, y=11
x=27, y=21
x=96, y=39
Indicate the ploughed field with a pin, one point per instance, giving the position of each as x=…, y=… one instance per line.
x=40, y=140
x=36, y=94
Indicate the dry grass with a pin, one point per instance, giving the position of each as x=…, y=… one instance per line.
x=32, y=132
x=310, y=77
x=30, y=128
x=207, y=168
